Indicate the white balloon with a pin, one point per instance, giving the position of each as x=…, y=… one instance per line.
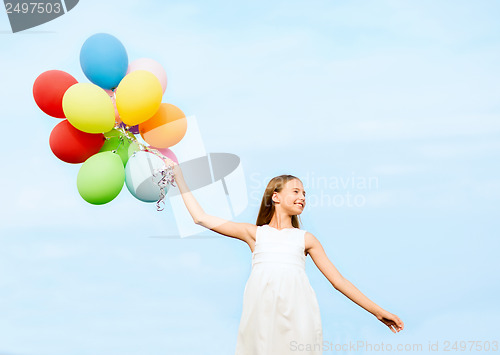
x=139, y=176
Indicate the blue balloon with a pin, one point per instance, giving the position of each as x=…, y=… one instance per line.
x=104, y=60
x=141, y=177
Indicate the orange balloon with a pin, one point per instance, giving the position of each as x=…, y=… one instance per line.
x=166, y=128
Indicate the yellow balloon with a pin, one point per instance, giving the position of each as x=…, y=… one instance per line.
x=138, y=97
x=88, y=108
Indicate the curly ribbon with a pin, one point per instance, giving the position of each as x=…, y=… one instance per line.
x=167, y=177
x=166, y=172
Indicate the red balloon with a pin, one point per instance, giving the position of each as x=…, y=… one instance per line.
x=49, y=89
x=72, y=145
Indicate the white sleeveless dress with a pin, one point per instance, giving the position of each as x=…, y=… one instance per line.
x=280, y=310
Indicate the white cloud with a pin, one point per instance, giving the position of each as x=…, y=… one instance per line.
x=462, y=149
x=399, y=169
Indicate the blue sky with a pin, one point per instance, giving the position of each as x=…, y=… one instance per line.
x=403, y=93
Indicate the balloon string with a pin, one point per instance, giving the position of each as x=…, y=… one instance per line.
x=119, y=143
x=166, y=178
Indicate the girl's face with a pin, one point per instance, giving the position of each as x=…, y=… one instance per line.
x=292, y=197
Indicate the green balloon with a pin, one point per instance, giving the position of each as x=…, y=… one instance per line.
x=116, y=140
x=101, y=178
x=132, y=148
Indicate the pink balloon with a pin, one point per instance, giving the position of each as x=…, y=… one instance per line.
x=117, y=115
x=151, y=66
x=168, y=153
x=111, y=94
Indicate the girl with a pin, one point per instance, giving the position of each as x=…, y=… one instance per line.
x=280, y=310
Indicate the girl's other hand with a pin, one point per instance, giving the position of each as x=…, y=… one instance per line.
x=391, y=320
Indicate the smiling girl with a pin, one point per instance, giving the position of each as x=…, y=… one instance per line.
x=280, y=309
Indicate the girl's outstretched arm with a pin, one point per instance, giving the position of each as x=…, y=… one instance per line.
x=242, y=231
x=315, y=249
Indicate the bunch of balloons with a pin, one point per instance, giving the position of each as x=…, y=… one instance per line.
x=102, y=118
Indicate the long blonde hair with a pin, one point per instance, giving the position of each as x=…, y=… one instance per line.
x=267, y=209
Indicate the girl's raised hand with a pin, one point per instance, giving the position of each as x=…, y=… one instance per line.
x=391, y=320
x=170, y=162
x=176, y=171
